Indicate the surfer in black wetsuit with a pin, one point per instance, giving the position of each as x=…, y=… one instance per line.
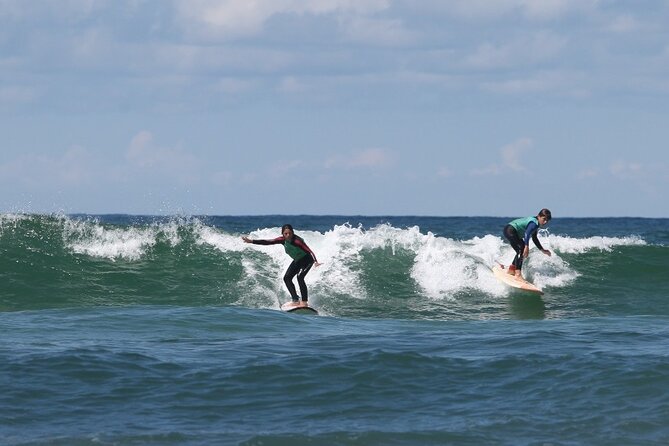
x=528, y=227
x=303, y=259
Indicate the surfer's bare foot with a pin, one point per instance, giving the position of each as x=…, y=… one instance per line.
x=304, y=303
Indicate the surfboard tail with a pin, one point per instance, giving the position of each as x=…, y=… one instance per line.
x=299, y=307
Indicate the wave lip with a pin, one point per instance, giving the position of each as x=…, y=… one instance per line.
x=95, y=240
x=571, y=245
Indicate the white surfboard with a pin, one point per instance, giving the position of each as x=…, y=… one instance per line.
x=502, y=274
x=299, y=308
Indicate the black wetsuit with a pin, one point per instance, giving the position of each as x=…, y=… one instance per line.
x=529, y=226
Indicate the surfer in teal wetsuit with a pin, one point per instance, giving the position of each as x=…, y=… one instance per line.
x=528, y=227
x=303, y=259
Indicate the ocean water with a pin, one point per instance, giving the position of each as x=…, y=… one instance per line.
x=138, y=330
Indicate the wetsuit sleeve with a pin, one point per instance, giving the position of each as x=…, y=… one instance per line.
x=531, y=232
x=535, y=239
x=275, y=241
x=303, y=246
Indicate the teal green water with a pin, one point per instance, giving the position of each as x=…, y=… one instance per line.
x=139, y=330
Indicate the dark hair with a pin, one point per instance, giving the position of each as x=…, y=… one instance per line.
x=287, y=226
x=545, y=213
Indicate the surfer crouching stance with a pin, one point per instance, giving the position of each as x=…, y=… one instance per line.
x=527, y=226
x=303, y=259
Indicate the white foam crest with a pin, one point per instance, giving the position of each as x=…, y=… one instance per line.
x=540, y=269
x=339, y=250
x=93, y=239
x=385, y=235
x=571, y=245
x=443, y=266
x=343, y=246
x=260, y=280
x=222, y=241
x=7, y=220
x=543, y=270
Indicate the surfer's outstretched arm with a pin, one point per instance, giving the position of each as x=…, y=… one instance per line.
x=275, y=241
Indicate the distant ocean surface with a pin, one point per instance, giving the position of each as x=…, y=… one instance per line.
x=138, y=330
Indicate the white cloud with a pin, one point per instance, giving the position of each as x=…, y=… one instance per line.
x=624, y=24
x=588, y=173
x=550, y=9
x=626, y=169
x=645, y=178
x=493, y=169
x=74, y=167
x=226, y=18
x=511, y=159
x=66, y=10
x=444, y=172
x=241, y=18
x=366, y=159
x=512, y=154
x=549, y=81
x=489, y=55
x=291, y=84
x=329, y=50
x=282, y=168
x=371, y=158
x=374, y=31
x=540, y=47
x=540, y=10
x=235, y=85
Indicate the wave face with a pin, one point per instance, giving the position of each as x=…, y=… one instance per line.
x=397, y=267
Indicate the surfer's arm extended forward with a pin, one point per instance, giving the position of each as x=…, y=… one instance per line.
x=531, y=232
x=294, y=241
x=276, y=241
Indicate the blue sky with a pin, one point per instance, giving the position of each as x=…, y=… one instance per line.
x=372, y=107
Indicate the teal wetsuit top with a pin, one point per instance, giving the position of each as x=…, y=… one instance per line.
x=528, y=227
